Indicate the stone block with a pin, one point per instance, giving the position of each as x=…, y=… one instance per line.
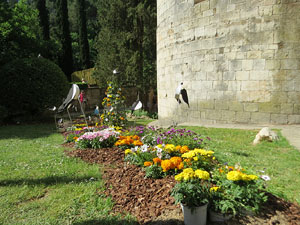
x=221, y=105
x=269, y=107
x=279, y=118
x=206, y=104
x=229, y=116
x=229, y=75
x=259, y=75
x=272, y=64
x=287, y=108
x=242, y=75
x=235, y=65
x=213, y=114
x=258, y=117
x=254, y=54
x=296, y=109
x=259, y=64
x=293, y=119
x=243, y=117
x=234, y=85
x=236, y=106
x=220, y=85
x=251, y=107
x=290, y=64
x=250, y=86
x=247, y=64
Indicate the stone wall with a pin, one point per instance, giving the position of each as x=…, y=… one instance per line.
x=239, y=60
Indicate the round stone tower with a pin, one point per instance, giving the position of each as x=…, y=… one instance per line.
x=239, y=60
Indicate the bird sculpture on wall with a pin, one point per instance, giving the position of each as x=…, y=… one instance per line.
x=181, y=91
x=136, y=105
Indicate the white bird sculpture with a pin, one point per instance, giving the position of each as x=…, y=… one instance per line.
x=181, y=91
x=137, y=104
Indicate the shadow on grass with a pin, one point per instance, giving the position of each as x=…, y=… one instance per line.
x=241, y=153
x=52, y=180
x=116, y=221
x=31, y=131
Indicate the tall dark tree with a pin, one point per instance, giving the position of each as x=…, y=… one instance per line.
x=83, y=37
x=66, y=59
x=44, y=19
x=127, y=42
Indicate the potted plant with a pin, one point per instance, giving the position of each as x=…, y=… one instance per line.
x=192, y=192
x=222, y=206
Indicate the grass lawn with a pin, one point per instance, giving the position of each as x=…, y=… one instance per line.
x=278, y=159
x=40, y=185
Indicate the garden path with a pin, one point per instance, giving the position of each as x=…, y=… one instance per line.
x=290, y=132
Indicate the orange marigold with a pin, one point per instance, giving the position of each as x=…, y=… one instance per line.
x=137, y=143
x=157, y=160
x=147, y=163
x=167, y=165
x=135, y=137
x=184, y=149
x=176, y=160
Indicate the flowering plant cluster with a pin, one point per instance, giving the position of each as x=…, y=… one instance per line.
x=113, y=103
x=99, y=139
x=193, y=187
x=237, y=190
x=125, y=142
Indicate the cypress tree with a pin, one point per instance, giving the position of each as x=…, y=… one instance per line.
x=44, y=19
x=83, y=38
x=66, y=59
x=127, y=41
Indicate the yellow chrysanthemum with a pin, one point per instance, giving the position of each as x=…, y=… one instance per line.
x=234, y=175
x=202, y=174
x=246, y=177
x=170, y=148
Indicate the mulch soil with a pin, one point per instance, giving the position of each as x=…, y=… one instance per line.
x=149, y=200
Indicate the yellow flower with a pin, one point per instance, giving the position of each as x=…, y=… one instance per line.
x=202, y=174
x=179, y=177
x=195, y=158
x=170, y=148
x=234, y=175
x=214, y=189
x=128, y=151
x=246, y=177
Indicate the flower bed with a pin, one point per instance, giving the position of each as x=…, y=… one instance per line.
x=182, y=154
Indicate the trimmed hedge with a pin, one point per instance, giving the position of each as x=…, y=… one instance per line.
x=29, y=86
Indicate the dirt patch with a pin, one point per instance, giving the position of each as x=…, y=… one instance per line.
x=149, y=199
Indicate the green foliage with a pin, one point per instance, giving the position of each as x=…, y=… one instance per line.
x=191, y=193
x=19, y=30
x=127, y=42
x=31, y=85
x=140, y=157
x=154, y=171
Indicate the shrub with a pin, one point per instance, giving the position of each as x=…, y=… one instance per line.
x=29, y=86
